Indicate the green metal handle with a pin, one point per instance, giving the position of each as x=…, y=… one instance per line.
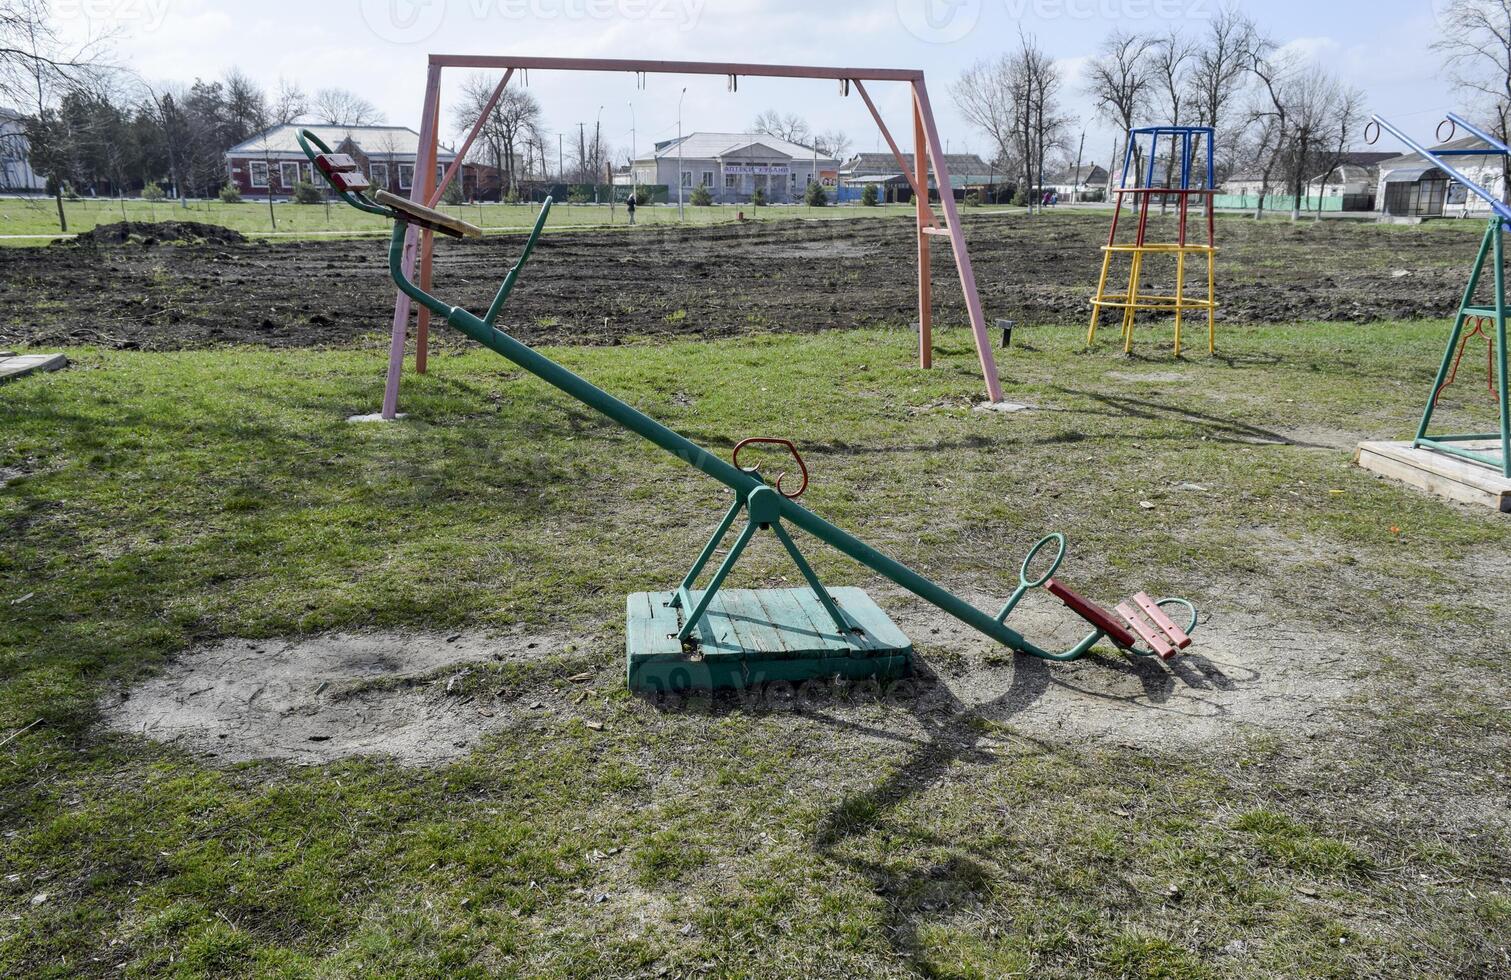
x=1033, y=553
x=497, y=306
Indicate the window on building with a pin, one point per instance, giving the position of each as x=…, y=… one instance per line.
x=379, y=175
x=288, y=173
x=792, y=181
x=440, y=171
x=809, y=181
x=731, y=181
x=406, y=176
x=708, y=178
x=687, y=178
x=257, y=171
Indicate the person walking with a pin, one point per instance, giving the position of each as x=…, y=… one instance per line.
x=630, y=207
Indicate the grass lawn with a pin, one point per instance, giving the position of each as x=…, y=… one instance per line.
x=164, y=501
x=37, y=216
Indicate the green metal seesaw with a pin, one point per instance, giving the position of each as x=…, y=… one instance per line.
x=719, y=638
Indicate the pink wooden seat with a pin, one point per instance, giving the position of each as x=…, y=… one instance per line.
x=1141, y=614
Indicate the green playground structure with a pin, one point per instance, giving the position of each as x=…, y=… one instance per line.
x=691, y=638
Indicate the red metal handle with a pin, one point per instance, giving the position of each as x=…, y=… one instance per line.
x=786, y=444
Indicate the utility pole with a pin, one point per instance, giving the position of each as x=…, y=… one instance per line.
x=582, y=148
x=561, y=168
x=634, y=172
x=681, y=215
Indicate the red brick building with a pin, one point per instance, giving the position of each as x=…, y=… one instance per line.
x=270, y=163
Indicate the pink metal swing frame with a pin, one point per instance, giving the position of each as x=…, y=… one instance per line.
x=427, y=191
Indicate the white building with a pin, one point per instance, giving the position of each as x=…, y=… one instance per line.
x=734, y=165
x=16, y=173
x=1410, y=186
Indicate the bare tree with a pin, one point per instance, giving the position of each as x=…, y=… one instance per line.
x=1015, y=102
x=1218, y=78
x=290, y=104
x=832, y=142
x=986, y=97
x=341, y=107
x=1344, y=119
x=35, y=63
x=1120, y=79
x=1475, y=41
x=511, y=128
x=791, y=127
x=1171, y=59
x=1271, y=111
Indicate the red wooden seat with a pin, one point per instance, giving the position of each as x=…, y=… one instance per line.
x=343, y=172
x=1091, y=612
x=1141, y=613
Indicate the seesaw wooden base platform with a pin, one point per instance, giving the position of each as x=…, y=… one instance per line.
x=751, y=637
x=1439, y=473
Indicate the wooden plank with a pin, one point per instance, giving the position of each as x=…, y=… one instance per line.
x=863, y=611
x=1150, y=635
x=651, y=627
x=1157, y=615
x=1438, y=473
x=757, y=633
x=820, y=633
x=24, y=364
x=716, y=635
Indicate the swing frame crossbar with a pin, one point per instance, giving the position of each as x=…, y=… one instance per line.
x=1491, y=253
x=928, y=157
x=1143, y=192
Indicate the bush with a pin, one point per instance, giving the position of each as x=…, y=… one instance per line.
x=973, y=198
x=701, y=198
x=1020, y=197
x=152, y=192
x=758, y=199
x=815, y=196
x=453, y=193
x=70, y=194
x=230, y=195
x=306, y=193
x=869, y=197
x=513, y=196
x=642, y=197
x=577, y=195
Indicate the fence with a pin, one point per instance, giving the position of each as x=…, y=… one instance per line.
x=1288, y=202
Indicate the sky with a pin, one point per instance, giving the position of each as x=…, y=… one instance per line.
x=378, y=48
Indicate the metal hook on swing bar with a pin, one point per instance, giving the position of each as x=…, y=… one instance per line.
x=785, y=444
x=1453, y=129
x=734, y=83
x=1371, y=140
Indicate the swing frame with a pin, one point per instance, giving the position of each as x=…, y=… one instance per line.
x=928, y=157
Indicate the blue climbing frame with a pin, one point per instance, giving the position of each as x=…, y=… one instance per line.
x=1186, y=141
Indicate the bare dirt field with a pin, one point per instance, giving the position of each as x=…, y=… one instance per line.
x=151, y=293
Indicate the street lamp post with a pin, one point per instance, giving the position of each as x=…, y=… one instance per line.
x=634, y=172
x=597, y=149
x=681, y=215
